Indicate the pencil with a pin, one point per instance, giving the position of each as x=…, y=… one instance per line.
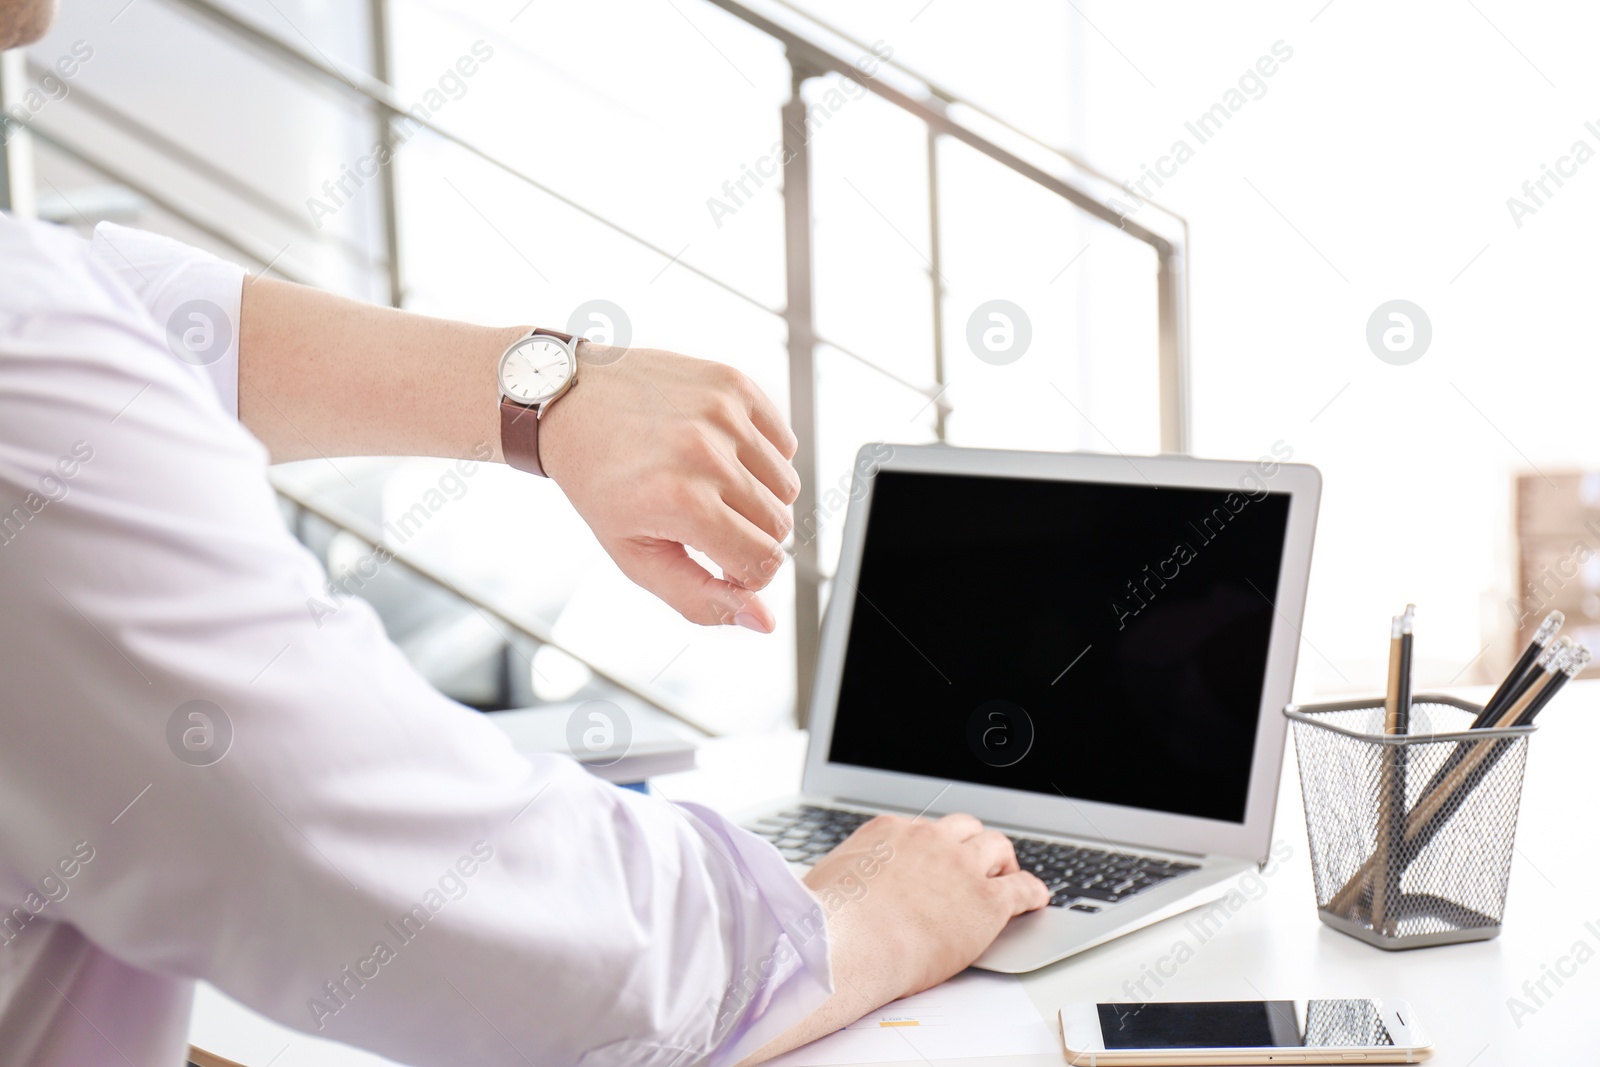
x=1523, y=668
x=1402, y=709
x=1579, y=661
x=1483, y=720
x=1440, y=805
x=1419, y=833
x=1471, y=763
x=1391, y=774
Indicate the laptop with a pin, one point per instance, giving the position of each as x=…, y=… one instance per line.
x=1090, y=653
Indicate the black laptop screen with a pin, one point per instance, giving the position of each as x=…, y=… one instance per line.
x=1100, y=642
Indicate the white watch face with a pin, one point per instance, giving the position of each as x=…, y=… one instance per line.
x=535, y=370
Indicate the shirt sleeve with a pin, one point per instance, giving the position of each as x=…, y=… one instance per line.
x=192, y=296
x=280, y=805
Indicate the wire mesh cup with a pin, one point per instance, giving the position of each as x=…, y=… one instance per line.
x=1412, y=834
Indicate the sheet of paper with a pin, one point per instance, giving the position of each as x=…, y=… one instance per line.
x=976, y=1013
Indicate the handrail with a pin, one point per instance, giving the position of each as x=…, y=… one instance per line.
x=803, y=51
x=934, y=112
x=950, y=96
x=814, y=49
x=381, y=95
x=943, y=115
x=181, y=154
x=165, y=203
x=343, y=520
x=372, y=91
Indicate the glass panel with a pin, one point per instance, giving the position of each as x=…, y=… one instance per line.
x=484, y=245
x=273, y=136
x=1050, y=318
x=672, y=134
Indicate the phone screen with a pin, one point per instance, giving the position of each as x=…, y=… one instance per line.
x=1244, y=1024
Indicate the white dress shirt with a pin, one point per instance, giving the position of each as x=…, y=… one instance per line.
x=323, y=836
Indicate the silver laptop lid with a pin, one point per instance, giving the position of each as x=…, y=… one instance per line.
x=1091, y=645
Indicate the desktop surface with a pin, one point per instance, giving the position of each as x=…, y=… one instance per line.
x=1482, y=1002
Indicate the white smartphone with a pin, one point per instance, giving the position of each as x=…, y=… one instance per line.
x=1243, y=1031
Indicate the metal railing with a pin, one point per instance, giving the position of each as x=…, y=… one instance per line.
x=814, y=50
x=495, y=615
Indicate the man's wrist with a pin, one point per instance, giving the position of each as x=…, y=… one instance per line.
x=526, y=431
x=536, y=369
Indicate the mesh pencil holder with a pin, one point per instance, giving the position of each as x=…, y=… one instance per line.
x=1411, y=835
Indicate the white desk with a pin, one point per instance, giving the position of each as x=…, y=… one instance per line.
x=1273, y=947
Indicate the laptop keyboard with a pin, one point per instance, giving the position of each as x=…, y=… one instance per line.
x=1082, y=878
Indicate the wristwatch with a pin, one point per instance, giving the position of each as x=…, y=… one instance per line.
x=534, y=372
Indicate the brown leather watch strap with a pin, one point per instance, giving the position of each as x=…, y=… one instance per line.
x=519, y=436
x=519, y=425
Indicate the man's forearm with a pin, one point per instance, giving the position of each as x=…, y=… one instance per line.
x=322, y=375
x=658, y=452
x=858, y=987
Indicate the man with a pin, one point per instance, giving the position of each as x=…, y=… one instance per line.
x=371, y=861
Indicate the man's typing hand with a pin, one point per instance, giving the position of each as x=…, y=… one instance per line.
x=948, y=886
x=661, y=452
x=908, y=902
